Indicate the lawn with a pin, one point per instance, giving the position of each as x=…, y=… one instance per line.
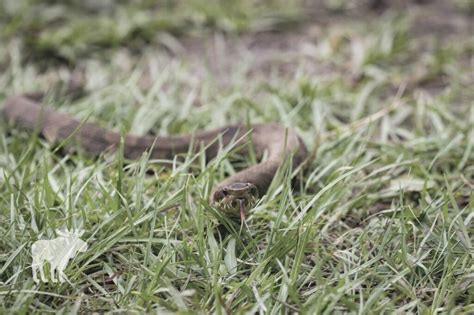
x=380, y=219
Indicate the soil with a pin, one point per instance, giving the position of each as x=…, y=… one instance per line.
x=284, y=53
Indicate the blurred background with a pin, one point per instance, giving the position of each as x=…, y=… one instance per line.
x=314, y=65
x=63, y=31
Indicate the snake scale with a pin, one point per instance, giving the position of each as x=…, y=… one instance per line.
x=233, y=196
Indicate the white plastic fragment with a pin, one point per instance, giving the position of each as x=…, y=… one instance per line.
x=57, y=252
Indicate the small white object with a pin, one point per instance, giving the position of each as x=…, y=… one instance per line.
x=57, y=252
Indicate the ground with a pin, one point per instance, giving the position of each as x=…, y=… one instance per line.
x=380, y=218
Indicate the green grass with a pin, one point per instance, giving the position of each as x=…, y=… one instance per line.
x=380, y=219
x=66, y=30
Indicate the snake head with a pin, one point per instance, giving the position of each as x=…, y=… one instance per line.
x=233, y=199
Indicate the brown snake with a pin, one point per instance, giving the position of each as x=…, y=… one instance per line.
x=232, y=196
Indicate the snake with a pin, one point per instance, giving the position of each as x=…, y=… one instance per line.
x=271, y=143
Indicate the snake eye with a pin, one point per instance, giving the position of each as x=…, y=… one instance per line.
x=225, y=192
x=218, y=196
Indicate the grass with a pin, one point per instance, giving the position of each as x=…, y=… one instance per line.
x=379, y=221
x=67, y=30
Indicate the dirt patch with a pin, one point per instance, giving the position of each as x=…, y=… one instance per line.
x=283, y=54
x=319, y=47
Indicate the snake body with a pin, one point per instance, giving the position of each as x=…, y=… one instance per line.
x=232, y=196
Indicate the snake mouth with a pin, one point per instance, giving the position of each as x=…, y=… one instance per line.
x=235, y=199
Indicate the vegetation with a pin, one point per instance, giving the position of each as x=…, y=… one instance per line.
x=380, y=218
